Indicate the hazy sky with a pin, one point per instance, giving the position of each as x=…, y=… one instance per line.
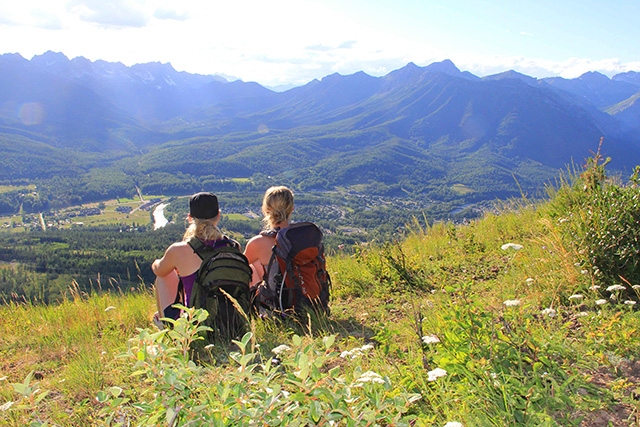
x=294, y=41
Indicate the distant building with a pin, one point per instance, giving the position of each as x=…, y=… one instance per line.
x=124, y=209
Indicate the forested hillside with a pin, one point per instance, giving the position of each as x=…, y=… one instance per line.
x=85, y=131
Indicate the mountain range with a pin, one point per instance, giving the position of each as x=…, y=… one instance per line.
x=104, y=127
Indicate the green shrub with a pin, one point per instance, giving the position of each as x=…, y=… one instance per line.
x=604, y=220
x=301, y=386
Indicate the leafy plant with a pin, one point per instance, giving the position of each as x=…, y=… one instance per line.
x=297, y=387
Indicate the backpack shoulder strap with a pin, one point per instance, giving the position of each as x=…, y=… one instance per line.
x=200, y=248
x=270, y=233
x=231, y=242
x=197, y=245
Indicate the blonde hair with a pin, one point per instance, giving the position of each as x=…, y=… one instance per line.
x=277, y=206
x=204, y=229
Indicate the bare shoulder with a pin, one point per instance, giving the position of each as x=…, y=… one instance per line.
x=261, y=241
x=178, y=246
x=259, y=247
x=179, y=249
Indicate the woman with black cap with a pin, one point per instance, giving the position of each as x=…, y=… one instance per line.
x=180, y=263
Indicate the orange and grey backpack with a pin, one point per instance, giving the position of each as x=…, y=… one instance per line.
x=296, y=277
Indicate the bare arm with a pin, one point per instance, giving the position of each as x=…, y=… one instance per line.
x=258, y=253
x=165, y=265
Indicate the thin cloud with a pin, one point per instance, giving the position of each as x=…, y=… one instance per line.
x=166, y=13
x=46, y=20
x=319, y=48
x=113, y=13
x=348, y=44
x=540, y=68
x=43, y=16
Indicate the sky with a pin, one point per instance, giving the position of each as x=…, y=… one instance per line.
x=291, y=42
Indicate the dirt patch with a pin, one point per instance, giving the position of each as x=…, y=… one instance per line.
x=624, y=383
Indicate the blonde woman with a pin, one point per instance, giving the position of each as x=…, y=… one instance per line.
x=176, y=271
x=277, y=206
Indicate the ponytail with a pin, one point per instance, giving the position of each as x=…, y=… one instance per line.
x=204, y=229
x=277, y=206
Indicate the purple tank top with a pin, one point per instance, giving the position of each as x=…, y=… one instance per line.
x=187, y=285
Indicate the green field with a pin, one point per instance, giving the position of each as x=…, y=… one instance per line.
x=110, y=216
x=7, y=188
x=461, y=189
x=238, y=217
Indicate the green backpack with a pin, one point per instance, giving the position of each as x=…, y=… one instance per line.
x=224, y=272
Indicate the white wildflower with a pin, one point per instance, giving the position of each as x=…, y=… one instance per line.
x=594, y=287
x=635, y=287
x=153, y=350
x=548, y=312
x=6, y=406
x=281, y=349
x=630, y=302
x=436, y=373
x=601, y=301
x=453, y=424
x=615, y=288
x=576, y=296
x=584, y=271
x=3, y=378
x=513, y=246
x=582, y=314
x=495, y=379
x=109, y=308
x=530, y=280
x=511, y=302
x=356, y=352
x=430, y=339
x=370, y=376
x=208, y=346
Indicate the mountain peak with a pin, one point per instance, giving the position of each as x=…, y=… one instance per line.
x=447, y=66
x=51, y=57
x=349, y=77
x=409, y=71
x=632, y=77
x=594, y=77
x=155, y=66
x=13, y=58
x=512, y=74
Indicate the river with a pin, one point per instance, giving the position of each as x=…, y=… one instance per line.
x=158, y=216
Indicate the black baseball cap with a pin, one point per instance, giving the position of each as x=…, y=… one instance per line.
x=203, y=205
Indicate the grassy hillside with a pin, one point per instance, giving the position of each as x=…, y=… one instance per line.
x=526, y=317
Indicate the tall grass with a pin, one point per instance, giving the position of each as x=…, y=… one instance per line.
x=503, y=321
